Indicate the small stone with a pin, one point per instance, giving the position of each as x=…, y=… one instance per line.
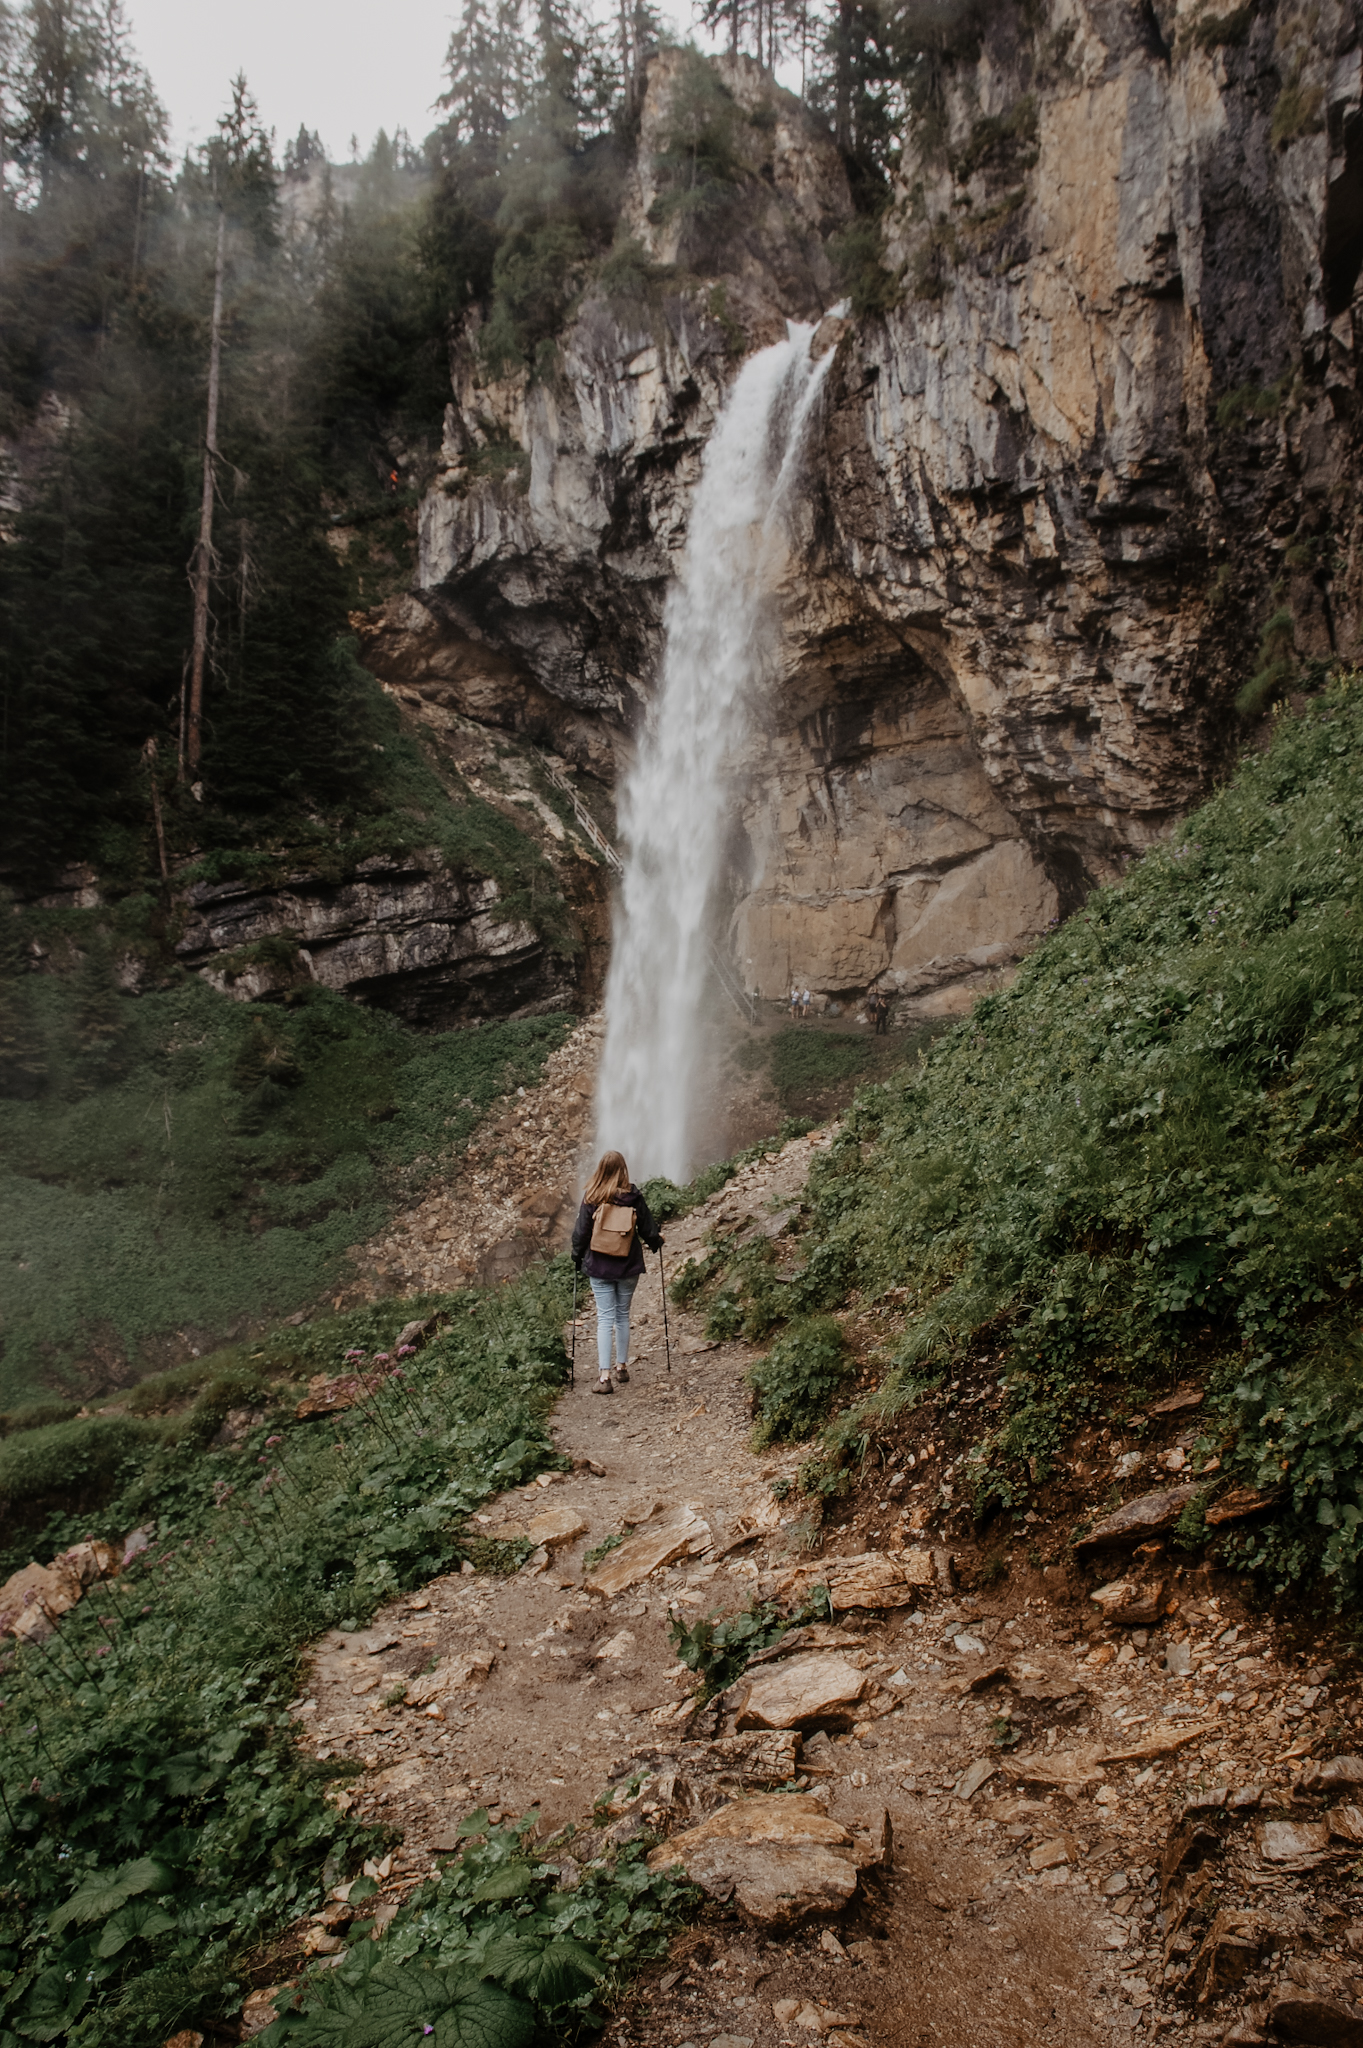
x=1049, y=1855
x=1178, y=1659
x=831, y=1946
x=731, y=2041
x=1115, y=1885
x=556, y=1527
x=783, y=2009
x=1127, y=1466
x=1346, y=1824
x=979, y=1773
x=969, y=1646
x=1130, y=1602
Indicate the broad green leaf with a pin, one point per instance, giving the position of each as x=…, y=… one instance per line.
x=394, y=2008
x=140, y=1920
x=57, y=1996
x=510, y=1883
x=550, y=1972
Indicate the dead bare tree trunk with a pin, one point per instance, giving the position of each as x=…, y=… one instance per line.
x=202, y=565
x=149, y=756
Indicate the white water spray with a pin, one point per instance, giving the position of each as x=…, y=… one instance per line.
x=720, y=640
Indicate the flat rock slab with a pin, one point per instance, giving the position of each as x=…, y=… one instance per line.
x=1057, y=1767
x=779, y=1857
x=1336, y=1770
x=1288, y=1841
x=1164, y=1743
x=1240, y=1504
x=654, y=1543
x=803, y=1690
x=878, y=1578
x=557, y=1526
x=1152, y=1515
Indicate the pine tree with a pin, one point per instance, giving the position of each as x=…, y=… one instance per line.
x=489, y=68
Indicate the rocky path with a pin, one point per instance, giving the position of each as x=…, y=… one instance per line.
x=1160, y=1845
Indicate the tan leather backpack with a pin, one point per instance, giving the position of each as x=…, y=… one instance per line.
x=613, y=1231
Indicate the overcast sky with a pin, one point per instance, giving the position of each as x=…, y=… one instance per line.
x=343, y=67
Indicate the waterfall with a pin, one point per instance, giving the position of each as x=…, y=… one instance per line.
x=720, y=639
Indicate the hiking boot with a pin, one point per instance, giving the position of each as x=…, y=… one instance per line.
x=603, y=1387
x=622, y=1374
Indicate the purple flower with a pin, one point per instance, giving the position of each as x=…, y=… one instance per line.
x=381, y=1357
x=273, y=1440
x=354, y=1354
x=406, y=1350
x=103, y=1650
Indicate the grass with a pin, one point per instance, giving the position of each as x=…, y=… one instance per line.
x=180, y=1163
x=1144, y=1162
x=157, y=1820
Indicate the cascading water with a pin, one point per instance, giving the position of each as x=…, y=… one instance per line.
x=720, y=638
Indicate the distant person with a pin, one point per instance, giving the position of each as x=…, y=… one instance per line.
x=804, y=1005
x=794, y=1003
x=613, y=1226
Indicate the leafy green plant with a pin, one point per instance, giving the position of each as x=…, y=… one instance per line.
x=1276, y=670
x=795, y=1385
x=492, y=1953
x=1142, y=1160
x=602, y=1549
x=167, y=1821
x=721, y=1650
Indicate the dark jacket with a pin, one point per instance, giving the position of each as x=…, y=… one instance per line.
x=596, y=1265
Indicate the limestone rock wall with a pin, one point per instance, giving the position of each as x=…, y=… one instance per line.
x=1060, y=500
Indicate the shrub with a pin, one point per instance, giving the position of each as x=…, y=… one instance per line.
x=72, y=1465
x=36, y=1415
x=795, y=1385
x=1276, y=670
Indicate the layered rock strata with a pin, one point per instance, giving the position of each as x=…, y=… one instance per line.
x=1089, y=472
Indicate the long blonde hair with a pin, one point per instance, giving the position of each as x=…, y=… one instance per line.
x=611, y=1178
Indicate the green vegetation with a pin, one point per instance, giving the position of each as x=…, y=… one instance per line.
x=797, y=1382
x=158, y=1819
x=1002, y=144
x=1142, y=1162
x=1276, y=669
x=1296, y=111
x=180, y=1162
x=722, y=1650
x=491, y=1954
x=1252, y=401
x=666, y=1199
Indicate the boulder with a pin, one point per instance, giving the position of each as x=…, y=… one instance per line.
x=1130, y=1603
x=877, y=1578
x=655, y=1542
x=1153, y=1514
x=32, y=1600
x=803, y=1691
x=1325, y=2022
x=778, y=1856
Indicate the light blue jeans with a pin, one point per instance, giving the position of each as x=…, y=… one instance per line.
x=613, y=1298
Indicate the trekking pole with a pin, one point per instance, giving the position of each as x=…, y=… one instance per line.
x=662, y=1281
x=572, y=1357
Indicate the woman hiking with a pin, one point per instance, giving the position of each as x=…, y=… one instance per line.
x=613, y=1226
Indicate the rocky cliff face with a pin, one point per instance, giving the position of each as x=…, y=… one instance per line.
x=1092, y=471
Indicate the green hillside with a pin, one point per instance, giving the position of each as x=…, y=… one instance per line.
x=1141, y=1163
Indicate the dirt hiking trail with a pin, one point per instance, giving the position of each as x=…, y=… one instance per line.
x=1165, y=1843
